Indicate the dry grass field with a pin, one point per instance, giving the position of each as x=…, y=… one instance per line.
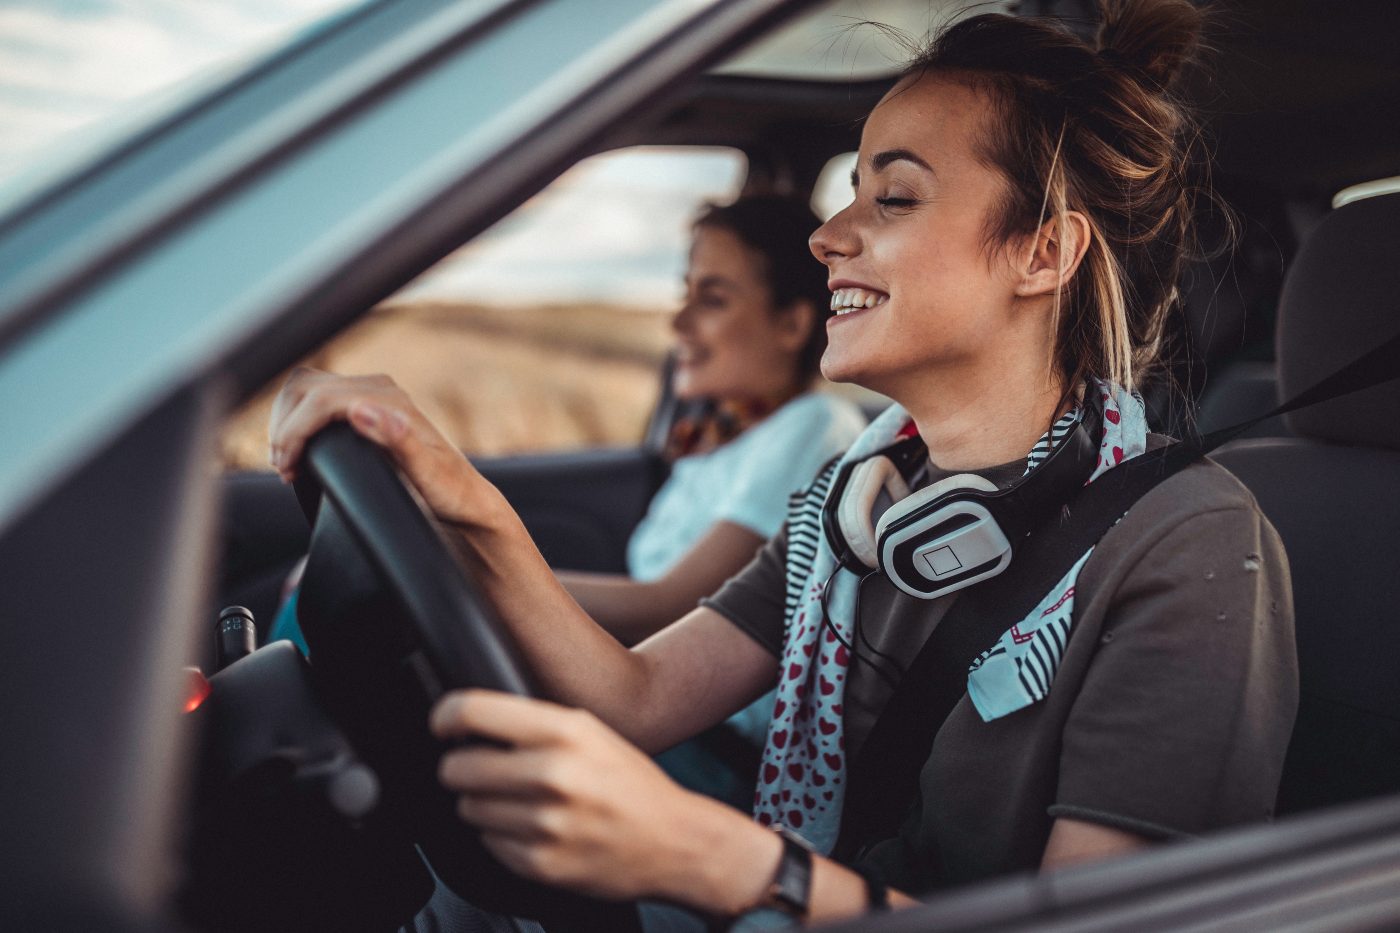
x=495, y=380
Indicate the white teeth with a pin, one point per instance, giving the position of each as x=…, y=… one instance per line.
x=846, y=300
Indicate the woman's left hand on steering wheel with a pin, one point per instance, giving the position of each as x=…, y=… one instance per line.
x=565, y=800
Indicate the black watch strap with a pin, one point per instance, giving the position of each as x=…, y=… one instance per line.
x=877, y=895
x=791, y=889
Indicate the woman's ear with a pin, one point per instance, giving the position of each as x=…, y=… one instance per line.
x=1059, y=247
x=795, y=321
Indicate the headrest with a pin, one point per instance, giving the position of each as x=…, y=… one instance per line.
x=1341, y=297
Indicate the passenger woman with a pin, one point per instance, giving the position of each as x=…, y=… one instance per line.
x=749, y=338
x=1022, y=210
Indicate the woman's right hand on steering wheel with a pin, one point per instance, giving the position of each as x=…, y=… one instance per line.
x=382, y=412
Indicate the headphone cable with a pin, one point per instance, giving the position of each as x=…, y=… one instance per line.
x=855, y=625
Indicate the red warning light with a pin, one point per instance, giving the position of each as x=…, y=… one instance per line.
x=196, y=688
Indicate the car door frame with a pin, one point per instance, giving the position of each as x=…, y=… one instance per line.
x=144, y=295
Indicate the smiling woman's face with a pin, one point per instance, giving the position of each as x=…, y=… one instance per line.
x=919, y=290
x=731, y=343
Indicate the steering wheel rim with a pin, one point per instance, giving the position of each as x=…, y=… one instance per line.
x=463, y=640
x=459, y=638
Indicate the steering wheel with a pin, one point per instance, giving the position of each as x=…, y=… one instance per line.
x=392, y=622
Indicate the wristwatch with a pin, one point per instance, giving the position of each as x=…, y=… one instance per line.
x=791, y=889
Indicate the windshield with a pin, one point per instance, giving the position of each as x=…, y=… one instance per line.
x=75, y=74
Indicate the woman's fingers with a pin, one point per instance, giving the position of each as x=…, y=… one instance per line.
x=377, y=409
x=494, y=771
x=505, y=816
x=513, y=720
x=564, y=799
x=307, y=402
x=311, y=412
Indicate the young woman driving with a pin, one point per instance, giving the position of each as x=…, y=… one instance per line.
x=1022, y=210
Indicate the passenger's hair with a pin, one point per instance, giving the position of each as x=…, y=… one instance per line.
x=776, y=228
x=1099, y=131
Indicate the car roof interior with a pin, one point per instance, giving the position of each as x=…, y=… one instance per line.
x=1299, y=98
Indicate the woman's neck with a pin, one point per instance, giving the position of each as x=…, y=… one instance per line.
x=768, y=399
x=972, y=423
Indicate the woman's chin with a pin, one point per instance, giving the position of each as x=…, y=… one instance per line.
x=686, y=389
x=836, y=367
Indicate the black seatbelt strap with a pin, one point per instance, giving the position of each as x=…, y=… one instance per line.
x=883, y=776
x=1373, y=367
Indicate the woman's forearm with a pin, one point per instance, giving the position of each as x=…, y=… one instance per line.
x=633, y=610
x=627, y=609
x=678, y=683
x=575, y=661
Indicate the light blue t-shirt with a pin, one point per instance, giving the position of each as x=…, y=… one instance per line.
x=746, y=481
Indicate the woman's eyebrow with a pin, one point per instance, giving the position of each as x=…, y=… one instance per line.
x=883, y=160
x=712, y=281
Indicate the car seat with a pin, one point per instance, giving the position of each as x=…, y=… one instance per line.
x=1333, y=493
x=1221, y=355
x=1244, y=389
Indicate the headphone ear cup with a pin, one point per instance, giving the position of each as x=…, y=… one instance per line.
x=855, y=512
x=929, y=494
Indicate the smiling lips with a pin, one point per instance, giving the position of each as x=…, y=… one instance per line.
x=689, y=355
x=846, y=300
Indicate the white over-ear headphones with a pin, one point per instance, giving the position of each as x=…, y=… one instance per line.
x=958, y=531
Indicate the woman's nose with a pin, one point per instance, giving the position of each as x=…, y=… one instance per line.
x=834, y=239
x=680, y=321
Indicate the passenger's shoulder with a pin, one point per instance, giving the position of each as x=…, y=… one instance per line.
x=820, y=411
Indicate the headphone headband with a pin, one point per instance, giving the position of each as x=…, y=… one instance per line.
x=962, y=529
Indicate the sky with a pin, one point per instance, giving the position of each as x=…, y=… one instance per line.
x=66, y=64
x=614, y=228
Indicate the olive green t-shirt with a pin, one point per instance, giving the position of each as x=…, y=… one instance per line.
x=1169, y=714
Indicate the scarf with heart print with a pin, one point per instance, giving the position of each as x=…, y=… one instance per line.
x=801, y=782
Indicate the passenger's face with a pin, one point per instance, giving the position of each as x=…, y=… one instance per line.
x=730, y=341
x=913, y=246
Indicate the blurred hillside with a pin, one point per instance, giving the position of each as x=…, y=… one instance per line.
x=495, y=380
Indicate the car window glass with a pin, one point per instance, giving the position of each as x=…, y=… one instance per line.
x=547, y=332
x=833, y=189
x=74, y=74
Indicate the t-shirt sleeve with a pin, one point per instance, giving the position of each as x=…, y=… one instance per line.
x=782, y=458
x=753, y=598
x=1184, y=714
